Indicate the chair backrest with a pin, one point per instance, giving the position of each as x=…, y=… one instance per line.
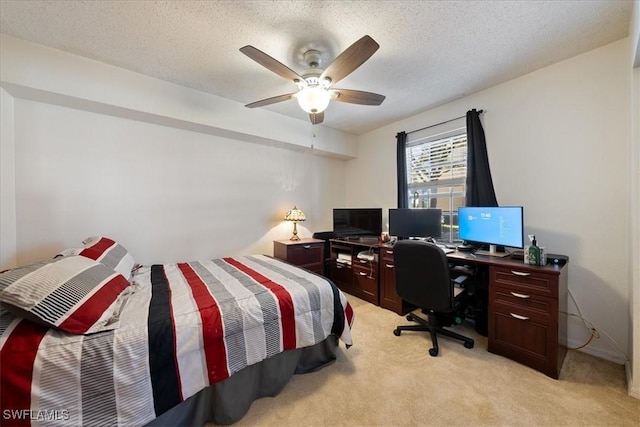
x=422, y=275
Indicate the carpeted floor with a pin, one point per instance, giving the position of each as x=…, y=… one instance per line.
x=384, y=380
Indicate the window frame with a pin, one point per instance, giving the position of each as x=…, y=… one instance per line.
x=456, y=184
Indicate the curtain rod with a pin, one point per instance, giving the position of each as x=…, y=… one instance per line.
x=441, y=123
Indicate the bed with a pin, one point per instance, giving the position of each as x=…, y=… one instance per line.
x=90, y=338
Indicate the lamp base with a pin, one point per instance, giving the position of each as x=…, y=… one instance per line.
x=295, y=232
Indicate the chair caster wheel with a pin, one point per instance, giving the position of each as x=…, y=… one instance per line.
x=409, y=318
x=433, y=352
x=468, y=345
x=396, y=332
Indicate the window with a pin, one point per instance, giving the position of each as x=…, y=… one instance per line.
x=437, y=173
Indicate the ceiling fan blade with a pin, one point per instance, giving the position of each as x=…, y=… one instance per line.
x=357, y=97
x=270, y=63
x=269, y=101
x=316, y=118
x=352, y=57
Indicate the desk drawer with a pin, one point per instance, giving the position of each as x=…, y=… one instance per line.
x=341, y=273
x=523, y=304
x=524, y=328
x=305, y=254
x=364, y=262
x=524, y=280
x=367, y=284
x=365, y=269
x=387, y=255
x=530, y=341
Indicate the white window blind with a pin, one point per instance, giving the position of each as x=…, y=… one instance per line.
x=436, y=175
x=440, y=162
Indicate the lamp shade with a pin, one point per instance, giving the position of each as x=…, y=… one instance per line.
x=313, y=99
x=294, y=214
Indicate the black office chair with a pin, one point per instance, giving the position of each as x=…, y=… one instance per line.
x=423, y=279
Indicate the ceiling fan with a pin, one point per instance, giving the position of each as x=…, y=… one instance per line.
x=315, y=84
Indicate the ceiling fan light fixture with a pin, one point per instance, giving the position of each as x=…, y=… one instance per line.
x=313, y=99
x=314, y=84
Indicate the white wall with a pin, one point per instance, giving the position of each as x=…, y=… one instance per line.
x=634, y=276
x=558, y=143
x=88, y=148
x=36, y=72
x=166, y=194
x=633, y=375
x=8, y=256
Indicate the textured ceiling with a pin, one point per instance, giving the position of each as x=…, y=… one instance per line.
x=431, y=52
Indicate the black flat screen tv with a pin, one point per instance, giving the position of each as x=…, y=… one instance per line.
x=407, y=223
x=357, y=221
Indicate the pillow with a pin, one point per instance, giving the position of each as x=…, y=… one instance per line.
x=109, y=253
x=73, y=293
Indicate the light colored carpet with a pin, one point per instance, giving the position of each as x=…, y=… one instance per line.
x=384, y=380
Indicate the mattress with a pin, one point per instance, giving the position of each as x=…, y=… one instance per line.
x=183, y=328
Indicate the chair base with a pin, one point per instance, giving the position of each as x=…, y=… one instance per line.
x=432, y=326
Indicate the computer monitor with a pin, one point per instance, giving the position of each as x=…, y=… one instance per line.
x=501, y=226
x=407, y=223
x=357, y=221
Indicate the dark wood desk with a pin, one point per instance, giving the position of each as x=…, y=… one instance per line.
x=355, y=275
x=526, y=306
x=524, y=301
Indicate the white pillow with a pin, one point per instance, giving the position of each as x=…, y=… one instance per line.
x=74, y=293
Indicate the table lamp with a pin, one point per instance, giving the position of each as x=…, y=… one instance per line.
x=295, y=215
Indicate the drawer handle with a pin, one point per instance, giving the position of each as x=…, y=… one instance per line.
x=389, y=252
x=363, y=274
x=307, y=246
x=389, y=265
x=517, y=295
x=517, y=316
x=520, y=273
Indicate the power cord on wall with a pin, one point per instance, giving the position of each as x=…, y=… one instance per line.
x=594, y=332
x=372, y=253
x=369, y=261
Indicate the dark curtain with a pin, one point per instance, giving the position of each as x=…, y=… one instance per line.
x=403, y=191
x=479, y=183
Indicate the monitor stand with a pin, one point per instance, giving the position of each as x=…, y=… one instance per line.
x=492, y=252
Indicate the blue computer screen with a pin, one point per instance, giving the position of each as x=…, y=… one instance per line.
x=492, y=225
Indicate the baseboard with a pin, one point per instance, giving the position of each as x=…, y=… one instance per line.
x=601, y=353
x=633, y=389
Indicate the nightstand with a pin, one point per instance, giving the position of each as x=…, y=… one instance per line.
x=305, y=253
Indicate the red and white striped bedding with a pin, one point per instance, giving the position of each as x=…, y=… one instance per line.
x=185, y=326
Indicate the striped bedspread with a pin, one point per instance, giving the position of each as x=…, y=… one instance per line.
x=184, y=327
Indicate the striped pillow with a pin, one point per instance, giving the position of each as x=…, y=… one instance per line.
x=109, y=253
x=73, y=293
